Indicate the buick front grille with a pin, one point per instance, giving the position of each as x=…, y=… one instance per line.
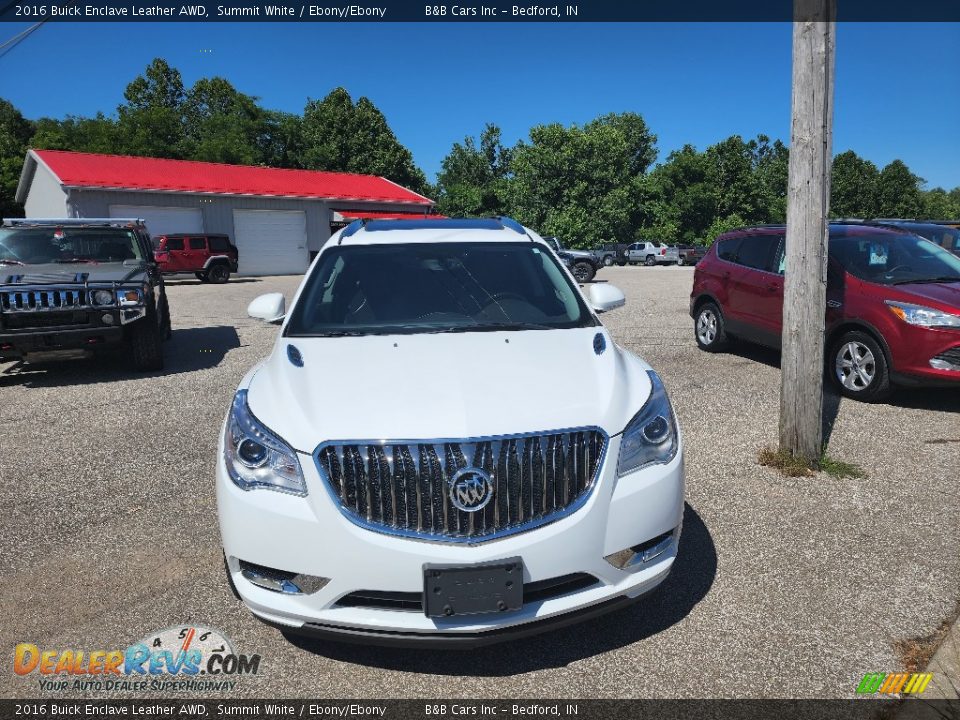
x=462, y=490
x=36, y=300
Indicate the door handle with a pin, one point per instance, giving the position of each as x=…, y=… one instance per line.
x=834, y=303
x=772, y=287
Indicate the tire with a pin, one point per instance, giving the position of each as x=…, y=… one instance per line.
x=146, y=343
x=608, y=260
x=709, y=329
x=622, y=263
x=583, y=271
x=166, y=326
x=202, y=277
x=218, y=274
x=680, y=262
x=650, y=261
x=858, y=367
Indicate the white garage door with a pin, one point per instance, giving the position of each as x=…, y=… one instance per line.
x=271, y=242
x=162, y=220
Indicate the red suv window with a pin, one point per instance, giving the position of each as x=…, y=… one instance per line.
x=174, y=243
x=198, y=243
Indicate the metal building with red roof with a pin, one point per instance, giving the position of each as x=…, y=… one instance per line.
x=278, y=218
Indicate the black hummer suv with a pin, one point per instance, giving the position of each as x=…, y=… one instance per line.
x=72, y=286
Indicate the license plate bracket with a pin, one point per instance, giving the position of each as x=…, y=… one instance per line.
x=483, y=588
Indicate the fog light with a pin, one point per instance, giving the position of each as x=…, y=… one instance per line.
x=643, y=553
x=107, y=319
x=940, y=364
x=281, y=581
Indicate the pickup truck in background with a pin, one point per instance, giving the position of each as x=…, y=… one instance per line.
x=690, y=254
x=582, y=263
x=651, y=253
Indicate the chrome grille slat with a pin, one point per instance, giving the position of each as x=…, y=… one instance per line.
x=403, y=487
x=40, y=300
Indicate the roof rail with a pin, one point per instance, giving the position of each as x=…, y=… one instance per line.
x=487, y=223
x=351, y=229
x=74, y=221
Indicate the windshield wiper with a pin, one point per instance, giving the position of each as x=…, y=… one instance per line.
x=10, y=262
x=70, y=261
x=927, y=280
x=490, y=327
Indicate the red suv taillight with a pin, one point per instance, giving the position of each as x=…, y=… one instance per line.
x=663, y=251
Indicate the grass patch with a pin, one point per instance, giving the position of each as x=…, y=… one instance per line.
x=840, y=469
x=793, y=466
x=786, y=462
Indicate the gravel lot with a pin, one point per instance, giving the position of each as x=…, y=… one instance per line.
x=783, y=588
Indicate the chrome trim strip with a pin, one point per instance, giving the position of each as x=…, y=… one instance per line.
x=343, y=505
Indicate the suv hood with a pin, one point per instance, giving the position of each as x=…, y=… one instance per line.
x=426, y=387
x=577, y=253
x=947, y=293
x=67, y=274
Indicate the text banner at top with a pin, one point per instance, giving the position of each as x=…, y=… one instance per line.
x=468, y=11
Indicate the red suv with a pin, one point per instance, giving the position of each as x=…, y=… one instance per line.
x=210, y=257
x=893, y=304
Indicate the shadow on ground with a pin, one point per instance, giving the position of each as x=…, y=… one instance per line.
x=692, y=577
x=188, y=350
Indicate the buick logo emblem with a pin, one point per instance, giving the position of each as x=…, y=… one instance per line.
x=470, y=489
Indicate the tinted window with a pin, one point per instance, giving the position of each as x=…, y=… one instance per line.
x=890, y=259
x=174, y=243
x=756, y=251
x=727, y=249
x=218, y=244
x=420, y=288
x=198, y=243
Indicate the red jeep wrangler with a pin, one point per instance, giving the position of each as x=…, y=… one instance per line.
x=210, y=257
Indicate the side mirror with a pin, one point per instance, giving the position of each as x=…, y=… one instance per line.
x=270, y=307
x=603, y=297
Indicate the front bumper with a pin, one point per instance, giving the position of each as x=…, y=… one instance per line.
x=310, y=536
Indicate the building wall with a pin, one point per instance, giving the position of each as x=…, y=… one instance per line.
x=218, y=209
x=45, y=198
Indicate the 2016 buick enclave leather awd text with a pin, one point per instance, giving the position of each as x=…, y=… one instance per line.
x=412, y=465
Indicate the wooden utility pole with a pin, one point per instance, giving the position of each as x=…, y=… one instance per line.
x=808, y=205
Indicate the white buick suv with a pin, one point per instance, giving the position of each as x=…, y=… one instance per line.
x=445, y=446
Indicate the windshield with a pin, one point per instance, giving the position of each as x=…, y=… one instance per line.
x=942, y=235
x=38, y=245
x=894, y=259
x=437, y=287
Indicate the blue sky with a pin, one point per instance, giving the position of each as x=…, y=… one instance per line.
x=898, y=85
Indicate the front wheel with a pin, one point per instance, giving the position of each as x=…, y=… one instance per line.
x=650, y=261
x=709, y=329
x=146, y=343
x=859, y=368
x=218, y=274
x=680, y=262
x=608, y=261
x=583, y=271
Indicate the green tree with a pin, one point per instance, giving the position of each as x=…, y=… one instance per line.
x=854, y=187
x=685, y=197
x=97, y=135
x=222, y=124
x=15, y=132
x=582, y=184
x=344, y=136
x=151, y=121
x=898, y=192
x=938, y=204
x=281, y=145
x=473, y=180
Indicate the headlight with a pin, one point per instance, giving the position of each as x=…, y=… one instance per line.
x=255, y=456
x=129, y=296
x=102, y=297
x=651, y=437
x=923, y=316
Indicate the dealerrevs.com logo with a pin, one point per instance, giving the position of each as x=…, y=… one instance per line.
x=184, y=657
